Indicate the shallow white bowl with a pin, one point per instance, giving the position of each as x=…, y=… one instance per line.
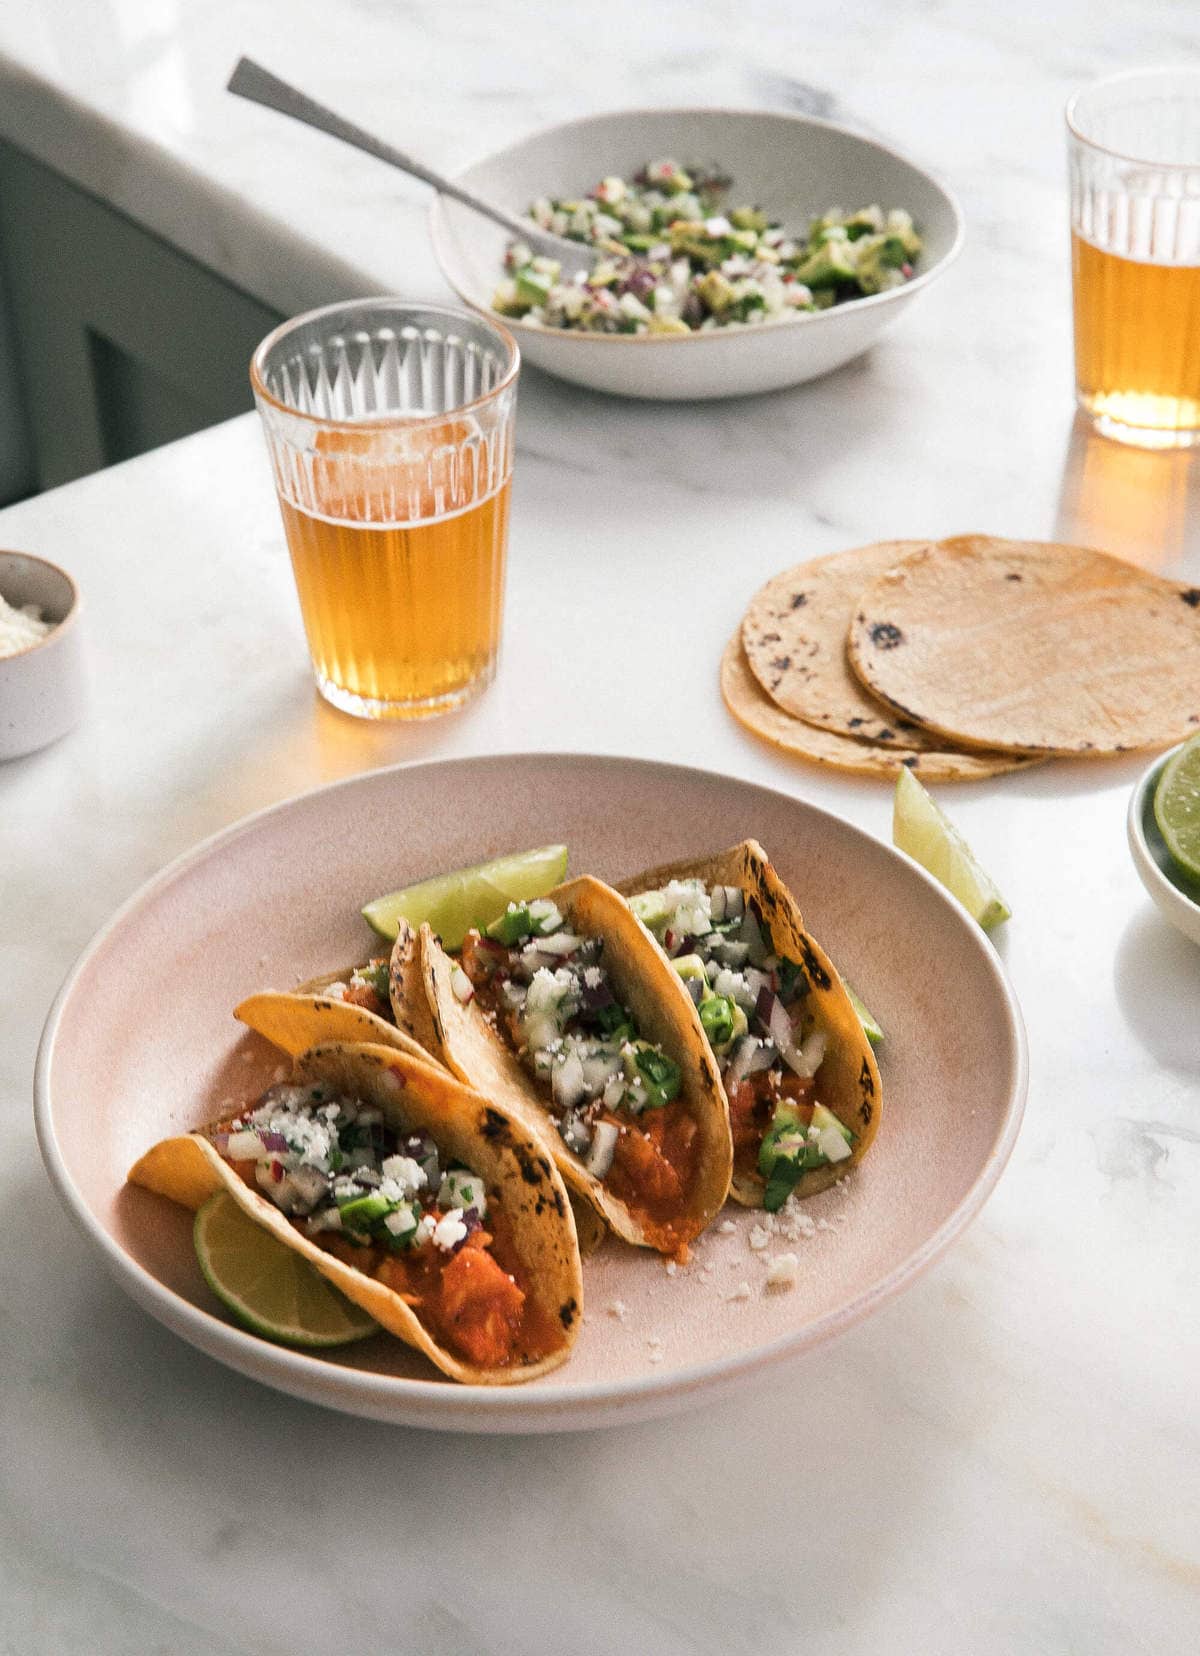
x=276, y=898
x=1156, y=870
x=792, y=165
x=41, y=688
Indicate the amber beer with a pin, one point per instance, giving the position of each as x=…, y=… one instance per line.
x=1137, y=340
x=406, y=614
x=390, y=431
x=1133, y=151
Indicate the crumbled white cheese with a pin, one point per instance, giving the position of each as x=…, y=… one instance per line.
x=741, y=1292
x=672, y=1268
x=618, y=1309
x=794, y=1225
x=783, y=1271
x=726, y=1227
x=449, y=1231
x=21, y=627
x=759, y=1237
x=406, y=1173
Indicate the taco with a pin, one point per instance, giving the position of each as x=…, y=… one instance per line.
x=382, y=1001
x=567, y=1014
x=428, y=1206
x=800, y=1077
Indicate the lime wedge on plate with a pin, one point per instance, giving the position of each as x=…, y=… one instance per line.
x=453, y=903
x=270, y=1289
x=1177, y=806
x=923, y=830
x=865, y=1017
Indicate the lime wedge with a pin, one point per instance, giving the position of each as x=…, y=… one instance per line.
x=270, y=1289
x=865, y=1017
x=453, y=903
x=1177, y=806
x=930, y=838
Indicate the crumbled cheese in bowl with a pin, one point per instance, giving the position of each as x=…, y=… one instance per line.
x=21, y=627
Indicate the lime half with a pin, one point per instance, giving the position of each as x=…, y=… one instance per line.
x=866, y=1017
x=270, y=1289
x=1177, y=806
x=923, y=830
x=453, y=903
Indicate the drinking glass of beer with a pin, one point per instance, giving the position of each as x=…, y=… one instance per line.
x=1135, y=255
x=390, y=430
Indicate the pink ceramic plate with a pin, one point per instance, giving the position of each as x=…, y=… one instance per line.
x=141, y=1043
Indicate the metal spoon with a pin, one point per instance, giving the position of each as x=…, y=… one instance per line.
x=250, y=80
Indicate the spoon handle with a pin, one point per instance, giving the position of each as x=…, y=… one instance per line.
x=250, y=80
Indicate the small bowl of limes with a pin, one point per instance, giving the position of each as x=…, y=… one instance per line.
x=1164, y=835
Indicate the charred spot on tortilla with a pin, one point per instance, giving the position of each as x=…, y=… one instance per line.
x=567, y=1312
x=781, y=663
x=816, y=972
x=535, y=1170
x=799, y=599
x=1014, y=576
x=886, y=734
x=855, y=723
x=493, y=1126
x=1191, y=597
x=865, y=1080
x=885, y=635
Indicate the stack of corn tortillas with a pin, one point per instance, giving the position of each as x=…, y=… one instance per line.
x=962, y=658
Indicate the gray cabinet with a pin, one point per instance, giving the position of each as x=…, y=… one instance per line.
x=111, y=341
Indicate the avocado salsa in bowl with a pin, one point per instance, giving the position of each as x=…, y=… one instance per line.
x=785, y=171
x=673, y=257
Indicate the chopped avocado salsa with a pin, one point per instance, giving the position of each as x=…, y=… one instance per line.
x=673, y=257
x=335, y=1163
x=546, y=991
x=754, y=1008
x=394, y=1206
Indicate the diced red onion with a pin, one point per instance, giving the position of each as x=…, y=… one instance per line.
x=782, y=1033
x=749, y=1056
x=274, y=1141
x=461, y=986
x=765, y=1005
x=596, y=996
x=567, y=1082
x=604, y=1145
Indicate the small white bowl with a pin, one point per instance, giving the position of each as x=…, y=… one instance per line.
x=42, y=688
x=1156, y=870
x=792, y=165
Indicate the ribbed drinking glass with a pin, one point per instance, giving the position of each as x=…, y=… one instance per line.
x=390, y=431
x=1135, y=254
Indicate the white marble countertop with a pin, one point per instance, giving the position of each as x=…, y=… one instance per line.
x=1022, y=1476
